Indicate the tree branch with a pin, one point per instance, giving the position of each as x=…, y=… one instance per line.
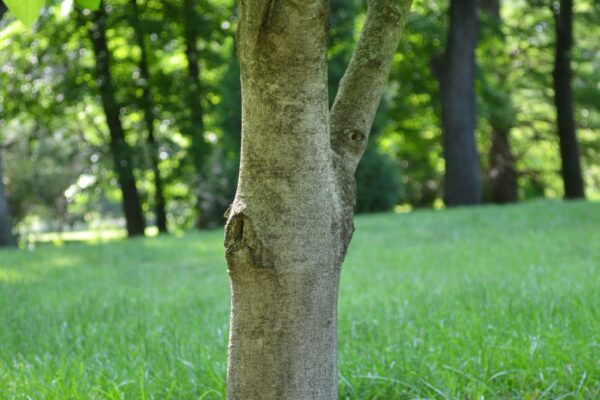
x=363, y=82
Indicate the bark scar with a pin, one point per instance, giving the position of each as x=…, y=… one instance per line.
x=243, y=244
x=269, y=15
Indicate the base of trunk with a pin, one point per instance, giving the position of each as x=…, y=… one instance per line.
x=283, y=342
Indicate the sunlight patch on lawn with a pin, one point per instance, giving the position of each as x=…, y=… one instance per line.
x=10, y=275
x=34, y=271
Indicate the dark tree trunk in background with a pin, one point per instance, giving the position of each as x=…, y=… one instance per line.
x=6, y=236
x=149, y=117
x=502, y=173
x=196, y=127
x=3, y=9
x=563, y=99
x=121, y=151
x=456, y=72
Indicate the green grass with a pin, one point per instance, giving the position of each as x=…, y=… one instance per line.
x=478, y=303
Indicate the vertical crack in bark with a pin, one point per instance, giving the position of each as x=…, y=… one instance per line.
x=268, y=16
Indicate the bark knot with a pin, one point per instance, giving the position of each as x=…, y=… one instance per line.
x=356, y=135
x=243, y=245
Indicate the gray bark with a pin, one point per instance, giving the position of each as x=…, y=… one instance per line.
x=291, y=221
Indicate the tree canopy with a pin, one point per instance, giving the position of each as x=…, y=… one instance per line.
x=51, y=114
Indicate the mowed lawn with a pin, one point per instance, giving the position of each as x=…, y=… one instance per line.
x=473, y=303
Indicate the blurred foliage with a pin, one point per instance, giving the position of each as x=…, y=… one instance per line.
x=39, y=171
x=59, y=166
x=378, y=181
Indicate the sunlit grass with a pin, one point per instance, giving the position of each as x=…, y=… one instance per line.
x=90, y=236
x=479, y=303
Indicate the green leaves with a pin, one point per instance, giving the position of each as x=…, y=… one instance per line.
x=91, y=4
x=26, y=11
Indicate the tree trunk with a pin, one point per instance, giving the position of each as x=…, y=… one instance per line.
x=3, y=9
x=6, y=235
x=563, y=100
x=291, y=221
x=149, y=117
x=502, y=174
x=456, y=72
x=200, y=147
x=120, y=150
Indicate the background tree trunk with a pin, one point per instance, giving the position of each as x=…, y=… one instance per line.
x=6, y=234
x=119, y=148
x=563, y=100
x=200, y=148
x=149, y=117
x=290, y=224
x=502, y=173
x=456, y=72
